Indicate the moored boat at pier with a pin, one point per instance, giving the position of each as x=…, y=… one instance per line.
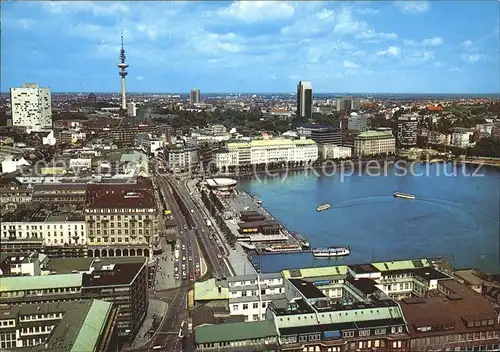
x=283, y=248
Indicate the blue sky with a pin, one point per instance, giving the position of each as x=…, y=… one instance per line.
x=256, y=46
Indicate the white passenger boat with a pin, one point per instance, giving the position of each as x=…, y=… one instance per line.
x=331, y=252
x=284, y=248
x=323, y=207
x=404, y=195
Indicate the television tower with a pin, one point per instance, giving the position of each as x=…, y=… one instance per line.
x=123, y=73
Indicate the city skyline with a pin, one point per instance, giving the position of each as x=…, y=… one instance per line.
x=401, y=47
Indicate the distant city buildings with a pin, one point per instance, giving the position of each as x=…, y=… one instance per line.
x=357, y=123
x=181, y=157
x=321, y=134
x=348, y=104
x=132, y=109
x=407, y=131
x=194, y=96
x=374, y=142
x=304, y=99
x=31, y=107
x=461, y=137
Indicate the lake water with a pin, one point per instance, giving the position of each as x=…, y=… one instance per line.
x=453, y=216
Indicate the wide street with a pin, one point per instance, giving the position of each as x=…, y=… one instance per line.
x=204, y=233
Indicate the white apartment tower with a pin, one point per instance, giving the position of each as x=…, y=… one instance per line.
x=31, y=107
x=304, y=99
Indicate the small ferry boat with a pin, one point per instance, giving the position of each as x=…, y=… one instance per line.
x=404, y=195
x=301, y=239
x=331, y=252
x=284, y=248
x=257, y=200
x=323, y=207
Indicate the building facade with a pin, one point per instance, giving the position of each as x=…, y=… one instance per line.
x=181, y=158
x=266, y=151
x=374, y=142
x=407, y=131
x=121, y=221
x=250, y=295
x=304, y=99
x=120, y=281
x=357, y=123
x=31, y=107
x=331, y=151
x=194, y=96
x=87, y=325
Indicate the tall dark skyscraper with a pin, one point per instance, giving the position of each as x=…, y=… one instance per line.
x=194, y=96
x=304, y=99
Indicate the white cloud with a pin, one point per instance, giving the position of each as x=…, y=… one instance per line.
x=471, y=58
x=455, y=69
x=366, y=11
x=434, y=41
x=412, y=7
x=97, y=8
x=350, y=65
x=391, y=51
x=258, y=11
x=140, y=78
x=372, y=35
x=346, y=24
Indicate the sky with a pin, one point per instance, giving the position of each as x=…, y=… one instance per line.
x=253, y=46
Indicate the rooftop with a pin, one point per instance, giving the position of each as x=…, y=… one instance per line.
x=234, y=332
x=375, y=134
x=113, y=271
x=326, y=271
x=401, y=264
x=122, y=199
x=271, y=143
x=24, y=283
x=436, y=312
x=79, y=329
x=208, y=290
x=307, y=289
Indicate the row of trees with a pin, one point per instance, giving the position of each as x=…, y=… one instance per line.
x=488, y=147
x=215, y=207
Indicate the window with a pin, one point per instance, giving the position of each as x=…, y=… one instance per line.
x=364, y=332
x=348, y=334
x=243, y=293
x=245, y=306
x=255, y=305
x=235, y=307
x=302, y=338
x=263, y=304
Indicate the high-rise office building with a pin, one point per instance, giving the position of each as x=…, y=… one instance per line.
x=31, y=107
x=304, y=99
x=407, y=131
x=194, y=96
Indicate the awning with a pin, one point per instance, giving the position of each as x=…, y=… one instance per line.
x=332, y=334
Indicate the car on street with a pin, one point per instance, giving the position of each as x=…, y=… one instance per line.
x=190, y=259
x=191, y=277
x=185, y=227
x=184, y=275
x=219, y=256
x=183, y=247
x=176, y=268
x=183, y=259
x=183, y=266
x=177, y=276
x=197, y=265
